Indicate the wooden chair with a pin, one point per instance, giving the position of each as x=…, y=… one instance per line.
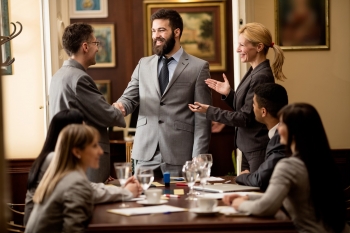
x=128, y=153
x=17, y=212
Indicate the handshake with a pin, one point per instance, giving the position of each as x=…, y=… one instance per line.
x=119, y=105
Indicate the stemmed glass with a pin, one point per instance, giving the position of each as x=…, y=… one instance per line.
x=209, y=163
x=190, y=173
x=123, y=172
x=145, y=177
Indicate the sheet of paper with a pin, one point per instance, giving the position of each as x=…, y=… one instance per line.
x=157, y=184
x=160, y=209
x=212, y=178
x=230, y=211
x=221, y=195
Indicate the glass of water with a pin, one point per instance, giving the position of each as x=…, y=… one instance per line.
x=190, y=173
x=145, y=177
x=123, y=172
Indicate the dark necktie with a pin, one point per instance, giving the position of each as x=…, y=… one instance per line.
x=164, y=75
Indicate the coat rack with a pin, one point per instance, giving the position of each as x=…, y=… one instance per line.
x=5, y=39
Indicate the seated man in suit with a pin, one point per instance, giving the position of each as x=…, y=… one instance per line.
x=268, y=99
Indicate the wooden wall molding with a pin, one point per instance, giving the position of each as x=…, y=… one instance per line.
x=19, y=165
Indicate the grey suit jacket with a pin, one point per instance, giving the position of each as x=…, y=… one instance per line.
x=166, y=120
x=250, y=134
x=68, y=209
x=261, y=177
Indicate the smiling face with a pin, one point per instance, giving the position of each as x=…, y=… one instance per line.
x=247, y=51
x=92, y=50
x=90, y=155
x=163, y=37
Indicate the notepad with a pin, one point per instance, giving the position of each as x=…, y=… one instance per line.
x=161, y=209
x=179, y=192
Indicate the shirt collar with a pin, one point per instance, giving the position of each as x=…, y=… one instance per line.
x=272, y=131
x=177, y=55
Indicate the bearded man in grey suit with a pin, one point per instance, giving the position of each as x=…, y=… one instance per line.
x=168, y=133
x=72, y=87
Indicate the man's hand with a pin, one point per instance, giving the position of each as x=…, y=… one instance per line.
x=119, y=105
x=245, y=172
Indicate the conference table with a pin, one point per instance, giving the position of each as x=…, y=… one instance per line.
x=103, y=221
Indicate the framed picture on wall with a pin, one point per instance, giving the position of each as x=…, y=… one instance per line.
x=104, y=86
x=203, y=34
x=302, y=25
x=88, y=9
x=5, y=31
x=105, y=57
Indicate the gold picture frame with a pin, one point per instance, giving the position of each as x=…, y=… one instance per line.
x=204, y=28
x=105, y=57
x=104, y=86
x=302, y=25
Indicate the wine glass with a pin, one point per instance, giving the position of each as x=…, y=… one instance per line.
x=190, y=173
x=209, y=163
x=203, y=175
x=201, y=161
x=145, y=177
x=123, y=172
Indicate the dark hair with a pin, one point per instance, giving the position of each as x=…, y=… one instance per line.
x=305, y=128
x=175, y=20
x=272, y=97
x=58, y=122
x=74, y=35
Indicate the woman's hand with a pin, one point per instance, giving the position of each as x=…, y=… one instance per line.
x=133, y=186
x=234, y=200
x=198, y=107
x=223, y=88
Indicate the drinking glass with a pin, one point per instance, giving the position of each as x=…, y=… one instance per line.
x=145, y=177
x=209, y=163
x=123, y=172
x=203, y=175
x=201, y=161
x=190, y=173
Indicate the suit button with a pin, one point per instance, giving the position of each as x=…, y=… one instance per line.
x=161, y=103
x=160, y=122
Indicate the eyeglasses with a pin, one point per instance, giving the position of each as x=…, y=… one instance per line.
x=98, y=43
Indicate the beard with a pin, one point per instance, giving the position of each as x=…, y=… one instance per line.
x=166, y=47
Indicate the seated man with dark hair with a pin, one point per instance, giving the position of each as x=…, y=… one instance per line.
x=268, y=99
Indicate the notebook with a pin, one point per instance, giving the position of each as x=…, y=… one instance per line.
x=222, y=188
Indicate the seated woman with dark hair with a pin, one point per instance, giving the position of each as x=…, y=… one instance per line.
x=102, y=193
x=298, y=182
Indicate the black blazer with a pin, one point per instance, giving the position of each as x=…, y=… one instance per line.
x=250, y=134
x=261, y=177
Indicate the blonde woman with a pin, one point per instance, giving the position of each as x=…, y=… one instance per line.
x=64, y=197
x=254, y=42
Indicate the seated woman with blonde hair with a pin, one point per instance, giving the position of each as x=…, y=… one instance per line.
x=64, y=197
x=314, y=200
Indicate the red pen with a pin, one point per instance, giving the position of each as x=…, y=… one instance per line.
x=181, y=184
x=171, y=195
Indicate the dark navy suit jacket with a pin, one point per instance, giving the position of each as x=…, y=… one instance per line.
x=261, y=177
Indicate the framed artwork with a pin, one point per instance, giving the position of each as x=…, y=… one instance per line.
x=106, y=51
x=104, y=86
x=5, y=31
x=88, y=9
x=203, y=34
x=302, y=25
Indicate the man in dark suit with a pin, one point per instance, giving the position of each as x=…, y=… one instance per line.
x=72, y=87
x=268, y=99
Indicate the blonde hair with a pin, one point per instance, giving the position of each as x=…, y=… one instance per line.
x=64, y=161
x=257, y=33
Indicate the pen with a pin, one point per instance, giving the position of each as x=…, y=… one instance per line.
x=229, y=181
x=181, y=184
x=171, y=195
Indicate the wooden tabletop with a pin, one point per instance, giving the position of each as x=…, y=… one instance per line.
x=103, y=221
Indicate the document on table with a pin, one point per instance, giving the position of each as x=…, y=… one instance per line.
x=160, y=209
x=221, y=195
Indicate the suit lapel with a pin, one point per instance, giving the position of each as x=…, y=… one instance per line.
x=154, y=73
x=181, y=65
